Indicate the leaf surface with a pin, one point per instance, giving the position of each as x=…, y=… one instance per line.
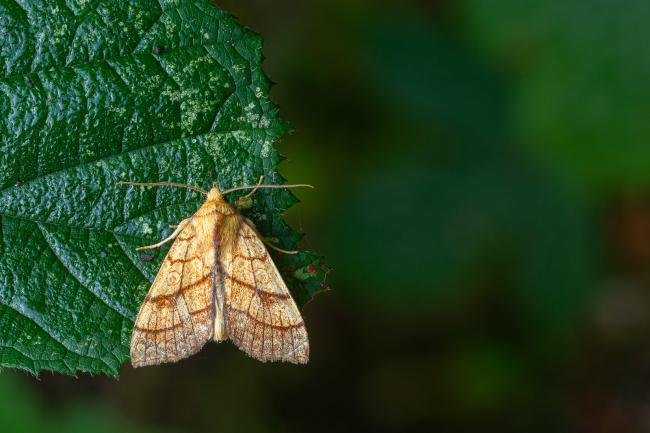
x=94, y=92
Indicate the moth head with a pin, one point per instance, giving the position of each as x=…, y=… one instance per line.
x=215, y=194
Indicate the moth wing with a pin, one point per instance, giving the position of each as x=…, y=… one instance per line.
x=177, y=316
x=261, y=317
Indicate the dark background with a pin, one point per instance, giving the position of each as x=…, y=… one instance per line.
x=483, y=174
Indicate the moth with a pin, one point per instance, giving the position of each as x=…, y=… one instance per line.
x=217, y=282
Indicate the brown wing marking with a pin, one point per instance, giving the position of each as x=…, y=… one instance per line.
x=177, y=316
x=262, y=318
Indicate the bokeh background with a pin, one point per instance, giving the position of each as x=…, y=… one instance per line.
x=483, y=174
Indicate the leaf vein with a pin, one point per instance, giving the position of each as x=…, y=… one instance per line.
x=117, y=308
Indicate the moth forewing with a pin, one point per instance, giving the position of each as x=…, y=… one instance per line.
x=176, y=317
x=262, y=318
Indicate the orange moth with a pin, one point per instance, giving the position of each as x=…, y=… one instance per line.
x=217, y=282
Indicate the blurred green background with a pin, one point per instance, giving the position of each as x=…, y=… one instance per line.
x=483, y=174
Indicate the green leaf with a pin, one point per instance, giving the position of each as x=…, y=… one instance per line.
x=93, y=92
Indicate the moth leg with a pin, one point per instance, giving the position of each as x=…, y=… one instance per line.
x=171, y=237
x=266, y=241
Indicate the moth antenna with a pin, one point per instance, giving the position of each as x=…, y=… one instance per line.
x=172, y=184
x=259, y=183
x=262, y=186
